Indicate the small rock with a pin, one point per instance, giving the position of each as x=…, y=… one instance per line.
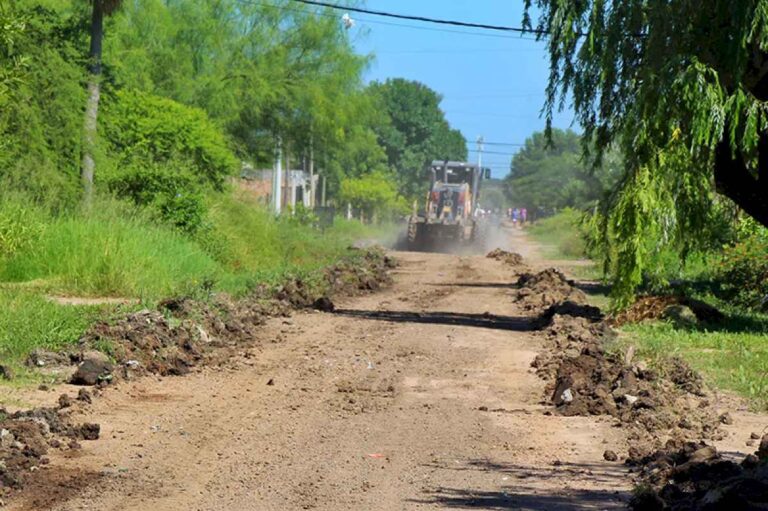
x=726, y=419
x=43, y=387
x=6, y=438
x=84, y=395
x=703, y=454
x=680, y=315
x=89, y=431
x=204, y=337
x=609, y=455
x=750, y=443
x=762, y=451
x=630, y=399
x=567, y=396
x=6, y=373
x=271, y=382
x=74, y=444
x=483, y=408
x=95, y=367
x=754, y=436
x=750, y=461
x=65, y=401
x=324, y=304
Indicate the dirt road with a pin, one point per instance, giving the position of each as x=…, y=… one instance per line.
x=417, y=397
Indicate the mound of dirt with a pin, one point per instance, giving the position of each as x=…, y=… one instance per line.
x=184, y=332
x=26, y=437
x=654, y=404
x=545, y=289
x=693, y=475
x=648, y=308
x=510, y=258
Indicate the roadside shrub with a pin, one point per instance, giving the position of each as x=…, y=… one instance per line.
x=169, y=189
x=744, y=272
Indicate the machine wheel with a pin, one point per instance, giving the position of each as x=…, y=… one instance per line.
x=414, y=241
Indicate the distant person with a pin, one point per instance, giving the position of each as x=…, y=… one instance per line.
x=523, y=216
x=515, y=217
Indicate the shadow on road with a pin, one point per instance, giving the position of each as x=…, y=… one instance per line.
x=518, y=494
x=485, y=285
x=519, y=324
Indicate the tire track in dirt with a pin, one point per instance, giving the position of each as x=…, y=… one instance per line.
x=429, y=404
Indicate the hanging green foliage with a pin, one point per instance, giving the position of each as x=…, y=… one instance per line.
x=681, y=87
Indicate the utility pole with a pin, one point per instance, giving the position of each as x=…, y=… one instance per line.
x=277, y=179
x=480, y=153
x=312, y=187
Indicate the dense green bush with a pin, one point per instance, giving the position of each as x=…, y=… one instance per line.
x=42, y=67
x=140, y=127
x=744, y=272
x=170, y=189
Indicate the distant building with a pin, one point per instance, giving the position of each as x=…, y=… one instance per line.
x=296, y=187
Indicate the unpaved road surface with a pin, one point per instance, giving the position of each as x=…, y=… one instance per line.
x=417, y=397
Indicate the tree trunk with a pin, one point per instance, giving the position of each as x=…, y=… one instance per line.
x=734, y=180
x=90, y=124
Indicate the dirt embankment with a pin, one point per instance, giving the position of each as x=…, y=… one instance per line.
x=180, y=334
x=664, y=408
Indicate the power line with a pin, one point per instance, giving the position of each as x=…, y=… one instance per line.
x=490, y=152
x=504, y=144
x=385, y=23
x=458, y=50
x=424, y=19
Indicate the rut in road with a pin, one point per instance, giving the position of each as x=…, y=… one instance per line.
x=417, y=397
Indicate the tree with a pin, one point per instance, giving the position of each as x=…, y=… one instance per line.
x=100, y=9
x=549, y=174
x=415, y=132
x=682, y=87
x=374, y=194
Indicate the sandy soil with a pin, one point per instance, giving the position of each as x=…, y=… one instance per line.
x=417, y=397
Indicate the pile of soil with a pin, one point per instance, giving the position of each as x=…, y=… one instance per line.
x=649, y=308
x=184, y=332
x=545, y=289
x=666, y=402
x=510, y=258
x=693, y=475
x=26, y=438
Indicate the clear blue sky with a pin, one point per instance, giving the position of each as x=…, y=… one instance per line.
x=491, y=86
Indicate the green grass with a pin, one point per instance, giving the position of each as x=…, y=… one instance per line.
x=110, y=253
x=560, y=234
x=733, y=357
x=30, y=321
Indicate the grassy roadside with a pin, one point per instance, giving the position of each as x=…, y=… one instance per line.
x=118, y=251
x=732, y=356
x=728, y=358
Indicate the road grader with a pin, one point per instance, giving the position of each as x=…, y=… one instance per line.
x=450, y=215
